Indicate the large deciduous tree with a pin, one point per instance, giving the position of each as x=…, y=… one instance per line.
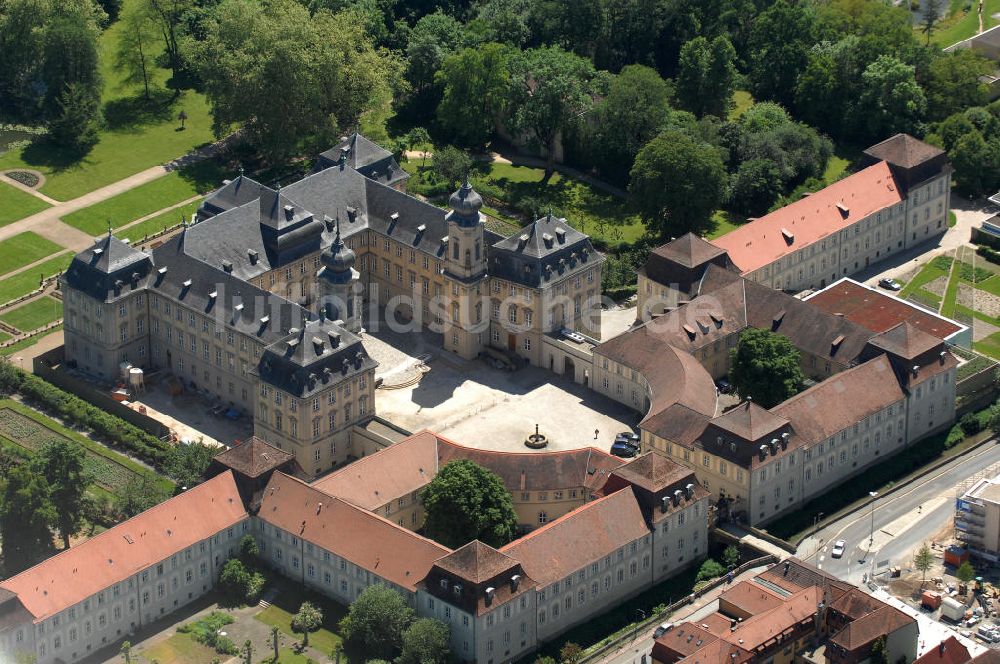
x=134, y=52
x=187, y=463
x=550, y=92
x=425, y=642
x=706, y=76
x=26, y=517
x=780, y=39
x=466, y=502
x=954, y=83
x=308, y=619
x=61, y=463
x=291, y=80
x=891, y=100
x=676, y=182
x=476, y=86
x=376, y=621
x=765, y=367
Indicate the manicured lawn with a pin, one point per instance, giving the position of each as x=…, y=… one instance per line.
x=34, y=314
x=939, y=267
x=280, y=613
x=24, y=248
x=991, y=285
x=16, y=204
x=7, y=351
x=180, y=649
x=961, y=25
x=989, y=346
x=3, y=336
x=724, y=221
x=146, y=199
x=22, y=283
x=138, y=232
x=139, y=134
x=952, y=219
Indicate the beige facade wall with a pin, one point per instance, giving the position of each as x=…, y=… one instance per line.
x=102, y=335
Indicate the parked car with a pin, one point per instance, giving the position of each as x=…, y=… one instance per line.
x=628, y=436
x=889, y=284
x=724, y=386
x=624, y=449
x=662, y=629
x=838, y=548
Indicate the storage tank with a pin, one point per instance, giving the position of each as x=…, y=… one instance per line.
x=952, y=609
x=135, y=379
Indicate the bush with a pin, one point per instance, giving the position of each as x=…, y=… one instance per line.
x=970, y=424
x=709, y=570
x=988, y=254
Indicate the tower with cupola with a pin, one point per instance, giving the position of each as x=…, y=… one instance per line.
x=465, y=274
x=339, y=285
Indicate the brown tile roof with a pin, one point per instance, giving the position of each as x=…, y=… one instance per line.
x=391, y=473
x=878, y=311
x=810, y=219
x=689, y=250
x=949, y=651
x=906, y=341
x=988, y=657
x=855, y=604
x=860, y=633
x=904, y=150
x=71, y=576
x=677, y=423
x=716, y=623
x=750, y=597
x=653, y=472
x=793, y=575
x=841, y=400
x=476, y=562
x=749, y=421
x=537, y=471
x=580, y=537
x=253, y=457
x=373, y=543
x=717, y=652
x=682, y=641
x=763, y=629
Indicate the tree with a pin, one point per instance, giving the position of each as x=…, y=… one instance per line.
x=275, y=632
x=780, y=38
x=570, y=653
x=248, y=651
x=425, y=642
x=634, y=109
x=965, y=572
x=709, y=570
x=187, y=463
x=249, y=551
x=323, y=68
x=126, y=651
x=432, y=39
x=476, y=86
x=26, y=516
x=70, y=70
x=417, y=137
x=731, y=556
x=137, y=495
x=466, y=502
x=308, y=619
x=706, y=76
x=891, y=100
x=134, y=52
x=924, y=560
x=575, y=25
x=765, y=367
x=930, y=16
x=375, y=622
x=977, y=164
x=954, y=82
x=550, y=92
x=169, y=16
x=61, y=463
x=879, y=654
x=755, y=186
x=450, y=164
x=240, y=584
x=75, y=125
x=677, y=182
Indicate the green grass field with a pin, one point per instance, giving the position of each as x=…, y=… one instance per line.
x=23, y=249
x=139, y=133
x=279, y=614
x=34, y=314
x=138, y=232
x=742, y=100
x=179, y=649
x=147, y=198
x=25, y=343
x=22, y=283
x=989, y=346
x=961, y=25
x=939, y=267
x=16, y=204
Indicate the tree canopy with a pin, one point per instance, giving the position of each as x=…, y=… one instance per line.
x=466, y=502
x=61, y=463
x=425, y=641
x=765, y=367
x=476, y=85
x=376, y=621
x=26, y=517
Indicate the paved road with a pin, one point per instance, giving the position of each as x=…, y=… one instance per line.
x=900, y=520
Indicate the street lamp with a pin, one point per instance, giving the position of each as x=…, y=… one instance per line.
x=642, y=617
x=816, y=520
x=871, y=537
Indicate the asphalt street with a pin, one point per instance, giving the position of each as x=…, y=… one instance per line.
x=898, y=520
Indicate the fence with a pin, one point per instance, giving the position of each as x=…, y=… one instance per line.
x=660, y=617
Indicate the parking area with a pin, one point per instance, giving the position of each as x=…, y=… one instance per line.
x=190, y=417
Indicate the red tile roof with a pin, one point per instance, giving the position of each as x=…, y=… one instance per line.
x=878, y=311
x=859, y=633
x=72, y=576
x=398, y=555
x=810, y=219
x=750, y=597
x=580, y=537
x=949, y=651
x=253, y=457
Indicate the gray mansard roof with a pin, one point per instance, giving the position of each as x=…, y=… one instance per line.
x=541, y=253
x=108, y=269
x=364, y=156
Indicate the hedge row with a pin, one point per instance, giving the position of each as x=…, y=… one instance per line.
x=988, y=253
x=74, y=410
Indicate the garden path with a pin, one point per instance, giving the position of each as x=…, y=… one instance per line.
x=29, y=190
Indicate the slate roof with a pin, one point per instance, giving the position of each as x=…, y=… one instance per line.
x=371, y=160
x=253, y=457
x=231, y=194
x=111, y=557
x=306, y=359
x=541, y=252
x=107, y=269
x=476, y=562
x=904, y=151
x=824, y=213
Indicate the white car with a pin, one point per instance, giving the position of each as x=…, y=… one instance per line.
x=838, y=548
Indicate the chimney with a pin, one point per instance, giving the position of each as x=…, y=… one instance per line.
x=319, y=507
x=252, y=255
x=334, y=338
x=787, y=567
x=227, y=266
x=289, y=212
